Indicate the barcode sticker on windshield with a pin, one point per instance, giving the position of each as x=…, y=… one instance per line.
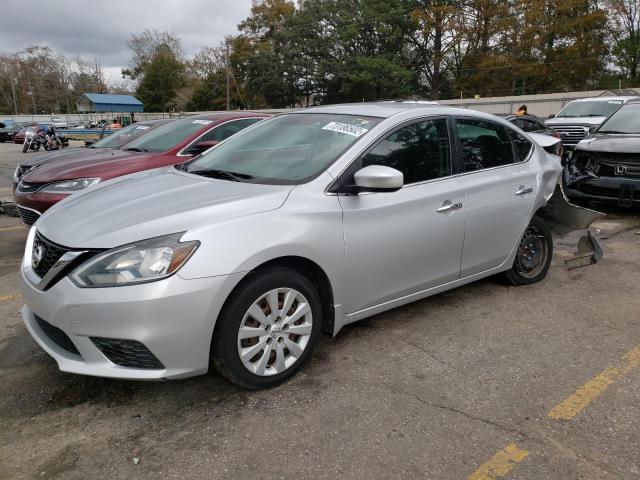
x=203, y=122
x=617, y=102
x=352, y=130
x=142, y=127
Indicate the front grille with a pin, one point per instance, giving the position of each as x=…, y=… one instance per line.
x=57, y=336
x=29, y=187
x=127, y=353
x=27, y=215
x=571, y=134
x=49, y=254
x=605, y=192
x=617, y=164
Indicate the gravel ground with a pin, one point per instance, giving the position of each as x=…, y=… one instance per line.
x=431, y=390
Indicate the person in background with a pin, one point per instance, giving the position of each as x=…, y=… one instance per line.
x=522, y=110
x=115, y=125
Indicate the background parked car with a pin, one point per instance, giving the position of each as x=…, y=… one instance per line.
x=8, y=129
x=113, y=141
x=175, y=142
x=58, y=122
x=532, y=124
x=605, y=167
x=579, y=117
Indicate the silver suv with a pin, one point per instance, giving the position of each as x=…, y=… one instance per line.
x=578, y=117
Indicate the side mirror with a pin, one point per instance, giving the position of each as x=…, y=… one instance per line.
x=593, y=128
x=378, y=178
x=200, y=147
x=552, y=115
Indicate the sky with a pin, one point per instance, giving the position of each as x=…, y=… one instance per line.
x=94, y=29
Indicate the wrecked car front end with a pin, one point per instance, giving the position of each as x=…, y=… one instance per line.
x=604, y=170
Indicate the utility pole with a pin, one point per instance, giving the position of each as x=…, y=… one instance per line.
x=13, y=93
x=228, y=76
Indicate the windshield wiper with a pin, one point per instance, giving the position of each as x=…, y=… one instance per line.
x=613, y=132
x=134, y=149
x=236, y=177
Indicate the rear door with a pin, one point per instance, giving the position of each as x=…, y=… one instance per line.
x=500, y=189
x=398, y=243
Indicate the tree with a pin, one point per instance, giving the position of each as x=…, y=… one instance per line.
x=145, y=46
x=163, y=76
x=625, y=22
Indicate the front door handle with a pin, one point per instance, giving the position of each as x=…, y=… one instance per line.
x=448, y=207
x=522, y=190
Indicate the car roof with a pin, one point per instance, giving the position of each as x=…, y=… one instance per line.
x=157, y=121
x=231, y=115
x=388, y=109
x=605, y=99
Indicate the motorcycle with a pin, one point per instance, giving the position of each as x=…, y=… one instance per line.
x=32, y=141
x=49, y=141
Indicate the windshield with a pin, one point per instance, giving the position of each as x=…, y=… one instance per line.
x=122, y=136
x=590, y=109
x=167, y=136
x=288, y=149
x=626, y=120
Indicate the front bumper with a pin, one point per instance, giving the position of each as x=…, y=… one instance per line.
x=621, y=191
x=173, y=318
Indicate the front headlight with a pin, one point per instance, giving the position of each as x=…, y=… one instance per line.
x=69, y=186
x=140, y=262
x=17, y=174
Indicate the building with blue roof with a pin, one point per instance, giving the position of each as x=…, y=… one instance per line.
x=102, y=102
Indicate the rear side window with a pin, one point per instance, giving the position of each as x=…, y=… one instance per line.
x=420, y=151
x=523, y=146
x=529, y=125
x=483, y=144
x=225, y=130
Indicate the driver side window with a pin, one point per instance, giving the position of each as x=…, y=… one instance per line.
x=420, y=151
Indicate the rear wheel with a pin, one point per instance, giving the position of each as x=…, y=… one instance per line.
x=533, y=257
x=268, y=328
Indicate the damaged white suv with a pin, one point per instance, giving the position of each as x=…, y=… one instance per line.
x=301, y=224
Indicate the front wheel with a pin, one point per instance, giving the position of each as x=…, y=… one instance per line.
x=25, y=147
x=268, y=328
x=533, y=257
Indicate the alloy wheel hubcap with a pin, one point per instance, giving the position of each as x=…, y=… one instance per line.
x=275, y=331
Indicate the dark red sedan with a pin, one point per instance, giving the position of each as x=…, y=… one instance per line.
x=168, y=144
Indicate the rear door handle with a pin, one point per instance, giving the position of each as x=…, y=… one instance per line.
x=448, y=207
x=522, y=190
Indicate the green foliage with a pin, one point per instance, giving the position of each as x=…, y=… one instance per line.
x=163, y=76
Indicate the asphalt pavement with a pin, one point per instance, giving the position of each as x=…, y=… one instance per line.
x=485, y=381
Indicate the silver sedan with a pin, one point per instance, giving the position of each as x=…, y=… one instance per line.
x=302, y=224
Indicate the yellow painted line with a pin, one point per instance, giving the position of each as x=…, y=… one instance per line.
x=7, y=298
x=20, y=227
x=588, y=392
x=500, y=464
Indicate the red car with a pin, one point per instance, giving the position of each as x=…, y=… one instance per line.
x=168, y=144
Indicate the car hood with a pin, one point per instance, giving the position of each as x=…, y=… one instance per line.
x=611, y=144
x=587, y=121
x=107, y=165
x=150, y=204
x=65, y=154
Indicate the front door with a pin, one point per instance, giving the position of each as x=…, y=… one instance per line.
x=398, y=243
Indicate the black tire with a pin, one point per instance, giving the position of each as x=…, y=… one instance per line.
x=25, y=147
x=224, y=346
x=518, y=274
